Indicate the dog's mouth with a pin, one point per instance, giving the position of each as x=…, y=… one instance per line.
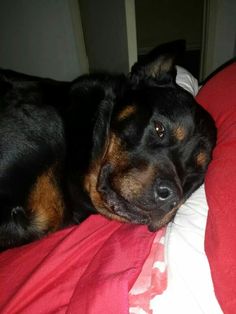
x=154, y=217
x=145, y=201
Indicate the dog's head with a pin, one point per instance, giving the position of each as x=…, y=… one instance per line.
x=152, y=147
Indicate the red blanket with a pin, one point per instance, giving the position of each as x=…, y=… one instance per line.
x=218, y=96
x=85, y=269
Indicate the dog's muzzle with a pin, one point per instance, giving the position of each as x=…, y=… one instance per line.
x=140, y=196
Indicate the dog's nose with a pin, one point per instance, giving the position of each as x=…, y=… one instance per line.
x=167, y=192
x=163, y=192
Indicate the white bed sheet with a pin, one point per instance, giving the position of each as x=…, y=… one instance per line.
x=190, y=288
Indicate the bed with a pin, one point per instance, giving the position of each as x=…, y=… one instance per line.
x=104, y=266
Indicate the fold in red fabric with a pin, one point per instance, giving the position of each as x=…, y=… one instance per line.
x=85, y=269
x=218, y=96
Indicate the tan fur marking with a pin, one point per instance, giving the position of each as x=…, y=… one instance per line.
x=46, y=203
x=133, y=183
x=126, y=112
x=115, y=153
x=90, y=185
x=130, y=187
x=129, y=183
x=180, y=133
x=201, y=159
x=114, y=156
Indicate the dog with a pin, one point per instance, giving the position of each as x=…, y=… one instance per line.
x=130, y=147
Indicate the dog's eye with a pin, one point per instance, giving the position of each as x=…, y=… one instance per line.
x=159, y=129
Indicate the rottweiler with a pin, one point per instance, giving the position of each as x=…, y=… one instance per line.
x=131, y=147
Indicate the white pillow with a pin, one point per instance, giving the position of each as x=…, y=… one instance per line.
x=186, y=80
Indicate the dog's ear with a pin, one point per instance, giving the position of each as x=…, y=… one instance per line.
x=160, y=69
x=159, y=64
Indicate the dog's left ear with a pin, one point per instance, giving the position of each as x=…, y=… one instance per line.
x=160, y=68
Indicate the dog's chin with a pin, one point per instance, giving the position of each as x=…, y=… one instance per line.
x=157, y=222
x=155, y=218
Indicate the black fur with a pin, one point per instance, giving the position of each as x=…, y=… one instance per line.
x=133, y=148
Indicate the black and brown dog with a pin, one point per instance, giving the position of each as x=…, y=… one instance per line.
x=132, y=148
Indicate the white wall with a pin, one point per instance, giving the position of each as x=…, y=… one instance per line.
x=40, y=37
x=131, y=32
x=220, y=34
x=110, y=34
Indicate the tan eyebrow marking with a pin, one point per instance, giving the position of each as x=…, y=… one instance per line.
x=126, y=112
x=180, y=133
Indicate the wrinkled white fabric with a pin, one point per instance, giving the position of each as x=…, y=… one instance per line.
x=190, y=288
x=186, y=80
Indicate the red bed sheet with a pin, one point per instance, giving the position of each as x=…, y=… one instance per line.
x=218, y=96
